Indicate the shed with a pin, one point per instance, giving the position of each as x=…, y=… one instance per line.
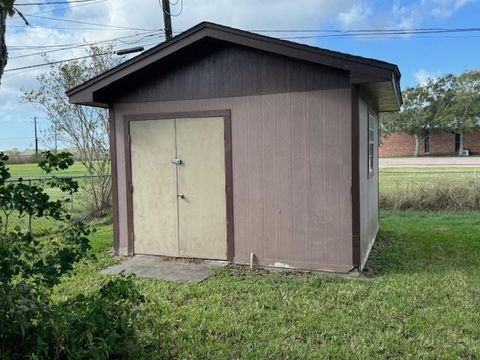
x=235, y=146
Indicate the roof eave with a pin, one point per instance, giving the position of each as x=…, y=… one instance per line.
x=368, y=69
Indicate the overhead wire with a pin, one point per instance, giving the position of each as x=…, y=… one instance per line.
x=75, y=46
x=85, y=22
x=94, y=2
x=53, y=3
x=170, y=13
x=397, y=32
x=33, y=66
x=81, y=44
x=437, y=32
x=56, y=62
x=66, y=28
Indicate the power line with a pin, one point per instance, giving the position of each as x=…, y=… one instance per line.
x=366, y=34
x=63, y=28
x=66, y=60
x=26, y=47
x=94, y=2
x=86, y=23
x=57, y=62
x=60, y=61
x=181, y=8
x=360, y=30
x=73, y=46
x=53, y=3
x=381, y=37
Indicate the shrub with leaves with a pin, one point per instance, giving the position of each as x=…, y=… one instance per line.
x=31, y=325
x=100, y=326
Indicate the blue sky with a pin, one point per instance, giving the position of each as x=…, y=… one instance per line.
x=417, y=56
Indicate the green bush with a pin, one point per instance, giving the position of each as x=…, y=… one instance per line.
x=436, y=195
x=99, y=326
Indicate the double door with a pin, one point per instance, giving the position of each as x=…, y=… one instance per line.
x=178, y=185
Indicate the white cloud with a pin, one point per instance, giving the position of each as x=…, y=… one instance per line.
x=412, y=15
x=422, y=76
x=400, y=14
x=355, y=15
x=445, y=8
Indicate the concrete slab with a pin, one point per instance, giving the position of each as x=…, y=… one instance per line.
x=165, y=269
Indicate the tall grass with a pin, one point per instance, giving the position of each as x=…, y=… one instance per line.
x=441, y=194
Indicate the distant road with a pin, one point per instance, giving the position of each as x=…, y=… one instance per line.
x=437, y=161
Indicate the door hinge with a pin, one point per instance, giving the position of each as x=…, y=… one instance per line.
x=131, y=187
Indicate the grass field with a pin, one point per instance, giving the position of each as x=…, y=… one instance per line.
x=430, y=188
x=420, y=300
x=30, y=170
x=391, y=178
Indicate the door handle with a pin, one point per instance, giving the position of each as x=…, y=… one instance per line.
x=181, y=196
x=176, y=161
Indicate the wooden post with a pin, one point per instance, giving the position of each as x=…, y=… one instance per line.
x=36, y=136
x=167, y=20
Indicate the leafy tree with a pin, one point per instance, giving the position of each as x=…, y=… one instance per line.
x=33, y=326
x=7, y=8
x=415, y=117
x=29, y=265
x=447, y=104
x=461, y=94
x=83, y=128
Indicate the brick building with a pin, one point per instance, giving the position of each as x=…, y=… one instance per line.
x=402, y=144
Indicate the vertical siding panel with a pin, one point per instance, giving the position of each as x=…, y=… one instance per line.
x=316, y=168
x=345, y=224
x=121, y=182
x=332, y=176
x=240, y=180
x=255, y=174
x=284, y=158
x=270, y=181
x=190, y=81
x=299, y=164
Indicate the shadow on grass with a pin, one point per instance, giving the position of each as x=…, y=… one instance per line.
x=414, y=242
x=382, y=258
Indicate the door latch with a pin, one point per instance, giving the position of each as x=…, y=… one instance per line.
x=176, y=161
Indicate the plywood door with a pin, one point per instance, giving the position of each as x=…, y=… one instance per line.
x=201, y=179
x=154, y=180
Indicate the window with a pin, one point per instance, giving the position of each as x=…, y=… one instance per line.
x=457, y=142
x=371, y=144
x=426, y=145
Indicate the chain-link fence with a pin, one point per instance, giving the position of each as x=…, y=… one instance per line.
x=81, y=205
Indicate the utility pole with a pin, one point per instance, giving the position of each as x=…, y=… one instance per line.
x=167, y=20
x=36, y=136
x=55, y=134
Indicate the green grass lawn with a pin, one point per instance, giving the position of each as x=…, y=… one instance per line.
x=420, y=299
x=18, y=170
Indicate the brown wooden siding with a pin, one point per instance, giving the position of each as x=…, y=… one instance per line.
x=369, y=223
x=214, y=71
x=291, y=155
